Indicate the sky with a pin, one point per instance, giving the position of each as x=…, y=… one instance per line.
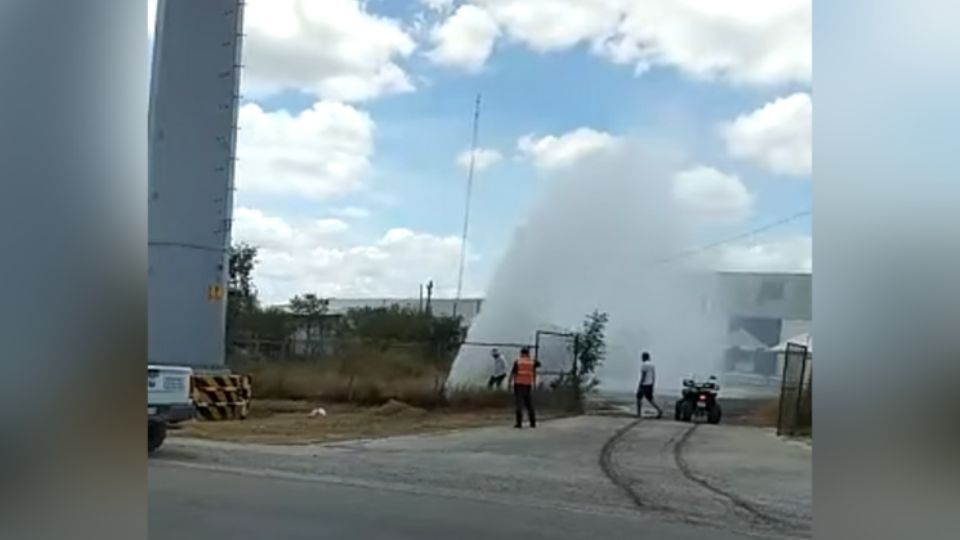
x=357, y=116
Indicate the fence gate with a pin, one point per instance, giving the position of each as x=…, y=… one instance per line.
x=795, y=415
x=556, y=352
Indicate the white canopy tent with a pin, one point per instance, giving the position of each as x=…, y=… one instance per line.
x=741, y=339
x=804, y=339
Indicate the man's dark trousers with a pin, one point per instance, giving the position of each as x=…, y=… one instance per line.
x=523, y=399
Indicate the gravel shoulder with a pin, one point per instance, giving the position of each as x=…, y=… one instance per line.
x=292, y=427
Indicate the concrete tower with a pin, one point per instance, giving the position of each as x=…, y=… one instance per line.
x=192, y=139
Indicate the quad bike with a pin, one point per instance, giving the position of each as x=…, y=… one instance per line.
x=699, y=401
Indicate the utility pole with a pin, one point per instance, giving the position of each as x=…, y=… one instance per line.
x=429, y=296
x=466, y=210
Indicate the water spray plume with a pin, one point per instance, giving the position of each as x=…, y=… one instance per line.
x=592, y=242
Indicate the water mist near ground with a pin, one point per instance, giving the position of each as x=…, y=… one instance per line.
x=591, y=242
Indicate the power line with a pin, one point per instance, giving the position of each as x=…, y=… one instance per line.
x=466, y=211
x=743, y=236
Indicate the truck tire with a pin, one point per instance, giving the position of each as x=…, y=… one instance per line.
x=156, y=433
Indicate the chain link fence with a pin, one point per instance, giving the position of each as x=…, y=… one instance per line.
x=556, y=353
x=369, y=371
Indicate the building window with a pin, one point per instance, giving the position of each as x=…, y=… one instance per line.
x=770, y=291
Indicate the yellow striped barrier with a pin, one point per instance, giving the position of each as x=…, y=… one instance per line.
x=221, y=397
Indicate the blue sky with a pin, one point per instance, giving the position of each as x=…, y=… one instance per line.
x=397, y=81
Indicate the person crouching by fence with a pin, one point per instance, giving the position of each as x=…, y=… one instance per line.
x=523, y=377
x=499, y=370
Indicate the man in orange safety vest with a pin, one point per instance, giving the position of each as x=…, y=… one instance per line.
x=523, y=377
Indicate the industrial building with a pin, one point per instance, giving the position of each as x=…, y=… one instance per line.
x=764, y=310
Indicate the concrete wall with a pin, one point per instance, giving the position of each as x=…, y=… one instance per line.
x=191, y=138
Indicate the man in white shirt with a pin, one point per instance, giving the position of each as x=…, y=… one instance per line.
x=648, y=377
x=499, y=370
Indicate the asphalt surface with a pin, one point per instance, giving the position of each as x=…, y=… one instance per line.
x=567, y=479
x=187, y=503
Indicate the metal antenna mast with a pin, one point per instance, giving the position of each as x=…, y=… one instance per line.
x=466, y=211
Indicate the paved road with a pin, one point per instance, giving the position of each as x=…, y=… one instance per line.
x=485, y=483
x=730, y=477
x=190, y=503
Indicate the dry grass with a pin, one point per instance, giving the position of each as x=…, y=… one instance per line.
x=367, y=392
x=766, y=413
x=370, y=381
x=343, y=422
x=379, y=378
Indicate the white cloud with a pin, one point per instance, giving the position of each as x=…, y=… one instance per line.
x=321, y=152
x=778, y=136
x=484, y=158
x=437, y=5
x=745, y=41
x=273, y=233
x=787, y=254
x=465, y=39
x=706, y=193
x=296, y=258
x=553, y=152
x=550, y=25
x=334, y=49
x=351, y=212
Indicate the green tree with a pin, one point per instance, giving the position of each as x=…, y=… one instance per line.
x=241, y=293
x=312, y=310
x=437, y=337
x=396, y=324
x=591, y=348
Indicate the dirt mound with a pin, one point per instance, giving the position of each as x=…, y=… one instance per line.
x=398, y=408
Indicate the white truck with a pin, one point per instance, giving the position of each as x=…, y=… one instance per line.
x=168, y=401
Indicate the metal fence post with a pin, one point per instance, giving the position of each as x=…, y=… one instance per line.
x=783, y=389
x=576, y=352
x=575, y=375
x=803, y=374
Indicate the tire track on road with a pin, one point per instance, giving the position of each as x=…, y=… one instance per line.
x=606, y=463
x=756, y=511
x=755, y=517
